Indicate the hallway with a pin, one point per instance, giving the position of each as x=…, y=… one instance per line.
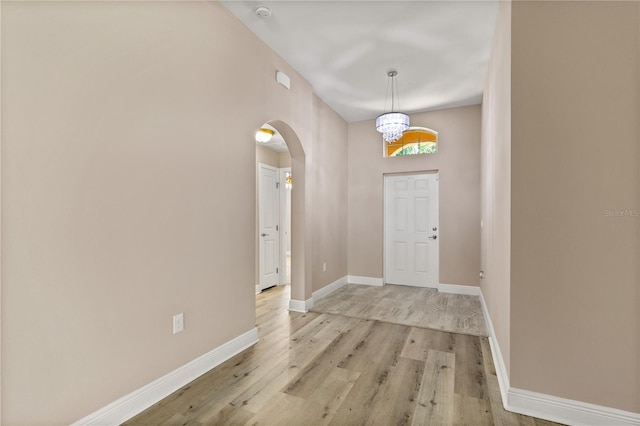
x=318, y=368
x=414, y=306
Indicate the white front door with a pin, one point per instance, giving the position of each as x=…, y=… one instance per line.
x=411, y=230
x=269, y=219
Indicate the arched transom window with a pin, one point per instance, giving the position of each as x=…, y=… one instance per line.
x=415, y=140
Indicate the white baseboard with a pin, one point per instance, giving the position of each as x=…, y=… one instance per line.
x=304, y=305
x=471, y=290
x=496, y=353
x=258, y=289
x=139, y=400
x=549, y=407
x=567, y=411
x=327, y=290
x=300, y=305
x=354, y=279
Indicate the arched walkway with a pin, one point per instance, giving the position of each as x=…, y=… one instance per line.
x=300, y=273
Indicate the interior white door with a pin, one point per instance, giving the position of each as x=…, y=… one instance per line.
x=411, y=230
x=269, y=219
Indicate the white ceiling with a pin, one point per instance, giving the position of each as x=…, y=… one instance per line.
x=276, y=143
x=345, y=49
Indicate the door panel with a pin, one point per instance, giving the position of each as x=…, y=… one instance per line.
x=411, y=230
x=269, y=256
x=400, y=257
x=422, y=257
x=421, y=184
x=400, y=214
x=422, y=214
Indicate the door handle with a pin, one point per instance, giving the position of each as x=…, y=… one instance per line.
x=433, y=237
x=263, y=235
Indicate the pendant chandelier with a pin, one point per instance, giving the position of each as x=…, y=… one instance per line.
x=392, y=124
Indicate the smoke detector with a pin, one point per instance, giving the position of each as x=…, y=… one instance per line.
x=263, y=12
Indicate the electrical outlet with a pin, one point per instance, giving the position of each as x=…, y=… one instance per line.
x=324, y=267
x=178, y=323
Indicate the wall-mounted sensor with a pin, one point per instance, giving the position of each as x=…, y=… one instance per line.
x=283, y=79
x=263, y=12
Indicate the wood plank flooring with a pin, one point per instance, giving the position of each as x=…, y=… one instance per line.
x=325, y=369
x=415, y=306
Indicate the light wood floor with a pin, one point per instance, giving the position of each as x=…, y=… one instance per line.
x=314, y=368
x=420, y=307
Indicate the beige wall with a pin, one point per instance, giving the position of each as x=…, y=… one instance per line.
x=271, y=157
x=267, y=156
x=496, y=183
x=330, y=185
x=116, y=209
x=284, y=159
x=458, y=161
x=574, y=273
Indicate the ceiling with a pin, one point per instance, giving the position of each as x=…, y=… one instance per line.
x=276, y=143
x=344, y=49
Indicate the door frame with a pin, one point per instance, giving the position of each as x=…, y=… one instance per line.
x=282, y=220
x=260, y=285
x=384, y=217
x=284, y=195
